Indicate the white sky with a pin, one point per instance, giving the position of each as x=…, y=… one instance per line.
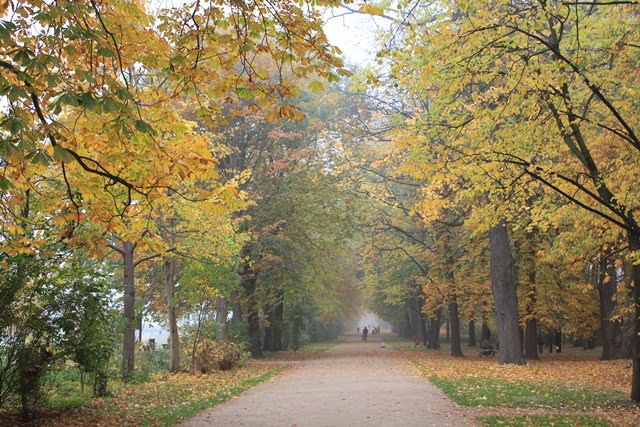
x=354, y=34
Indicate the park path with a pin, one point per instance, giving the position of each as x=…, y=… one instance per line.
x=352, y=384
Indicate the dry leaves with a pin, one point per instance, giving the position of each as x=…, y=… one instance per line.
x=161, y=402
x=572, y=368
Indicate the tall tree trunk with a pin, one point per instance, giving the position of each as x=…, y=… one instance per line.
x=274, y=331
x=454, y=318
x=253, y=317
x=415, y=317
x=278, y=324
x=174, y=338
x=140, y=321
x=472, y=333
x=503, y=284
x=237, y=308
x=485, y=333
x=252, y=310
x=447, y=330
x=267, y=340
x=610, y=331
x=634, y=246
x=531, y=340
x=531, y=324
x=129, y=338
x=557, y=340
x=423, y=328
x=434, y=331
x=202, y=313
x=408, y=327
x=221, y=317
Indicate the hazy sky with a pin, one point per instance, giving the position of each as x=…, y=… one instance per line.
x=354, y=34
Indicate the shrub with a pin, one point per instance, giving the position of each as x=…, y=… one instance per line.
x=215, y=356
x=32, y=364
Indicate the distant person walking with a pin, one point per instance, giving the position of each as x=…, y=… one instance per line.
x=365, y=332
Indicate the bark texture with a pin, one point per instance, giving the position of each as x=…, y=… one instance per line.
x=531, y=340
x=472, y=333
x=634, y=245
x=503, y=284
x=129, y=339
x=434, y=332
x=222, y=312
x=610, y=331
x=174, y=338
x=454, y=317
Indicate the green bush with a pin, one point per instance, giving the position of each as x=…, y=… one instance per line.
x=32, y=365
x=212, y=356
x=54, y=310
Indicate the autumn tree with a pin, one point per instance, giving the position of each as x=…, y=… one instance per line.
x=91, y=107
x=530, y=98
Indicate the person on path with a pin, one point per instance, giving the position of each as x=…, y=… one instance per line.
x=365, y=332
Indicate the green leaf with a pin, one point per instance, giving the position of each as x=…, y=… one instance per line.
x=15, y=124
x=26, y=78
x=69, y=98
x=7, y=148
x=333, y=78
x=124, y=94
x=110, y=105
x=5, y=184
x=7, y=29
x=4, y=86
x=144, y=127
x=244, y=93
x=16, y=93
x=39, y=157
x=316, y=86
x=62, y=154
x=107, y=53
x=23, y=56
x=52, y=79
x=88, y=101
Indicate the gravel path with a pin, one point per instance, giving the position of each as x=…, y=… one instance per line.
x=352, y=384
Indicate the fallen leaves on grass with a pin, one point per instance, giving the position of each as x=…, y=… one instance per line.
x=588, y=387
x=543, y=421
x=613, y=374
x=163, y=401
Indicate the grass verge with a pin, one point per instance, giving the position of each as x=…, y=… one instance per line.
x=491, y=391
x=573, y=388
x=544, y=421
x=163, y=401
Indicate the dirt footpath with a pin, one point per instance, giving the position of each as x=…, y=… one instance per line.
x=352, y=384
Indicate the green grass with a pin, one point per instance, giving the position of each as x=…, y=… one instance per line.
x=170, y=414
x=67, y=402
x=500, y=392
x=543, y=421
x=163, y=401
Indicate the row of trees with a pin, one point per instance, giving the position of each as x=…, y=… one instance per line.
x=172, y=146
x=509, y=177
